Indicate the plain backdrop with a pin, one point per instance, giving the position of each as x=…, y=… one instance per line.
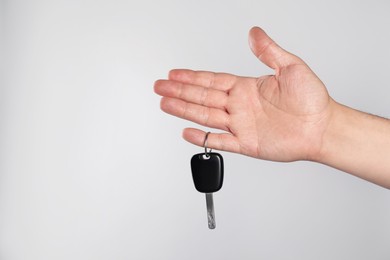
x=90, y=168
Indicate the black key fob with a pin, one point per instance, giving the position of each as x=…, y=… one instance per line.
x=207, y=172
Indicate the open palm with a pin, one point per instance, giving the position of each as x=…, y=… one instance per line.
x=279, y=117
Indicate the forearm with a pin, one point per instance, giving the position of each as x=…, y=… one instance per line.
x=357, y=143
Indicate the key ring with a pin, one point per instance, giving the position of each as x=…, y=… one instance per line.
x=205, y=145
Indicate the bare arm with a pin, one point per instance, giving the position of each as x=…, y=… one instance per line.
x=287, y=116
x=357, y=143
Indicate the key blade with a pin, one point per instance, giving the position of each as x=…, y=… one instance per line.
x=210, y=210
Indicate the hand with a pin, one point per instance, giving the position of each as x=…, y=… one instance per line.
x=279, y=117
x=283, y=117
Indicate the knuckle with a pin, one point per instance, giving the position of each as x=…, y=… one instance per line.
x=206, y=116
x=204, y=96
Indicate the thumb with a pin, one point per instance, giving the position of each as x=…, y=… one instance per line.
x=268, y=52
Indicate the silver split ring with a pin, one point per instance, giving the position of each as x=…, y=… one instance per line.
x=205, y=145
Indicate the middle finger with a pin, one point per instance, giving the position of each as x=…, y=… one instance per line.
x=191, y=93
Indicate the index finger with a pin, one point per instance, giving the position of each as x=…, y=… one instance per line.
x=207, y=79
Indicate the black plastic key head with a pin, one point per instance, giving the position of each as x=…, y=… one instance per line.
x=207, y=172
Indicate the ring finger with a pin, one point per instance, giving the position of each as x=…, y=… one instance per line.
x=206, y=116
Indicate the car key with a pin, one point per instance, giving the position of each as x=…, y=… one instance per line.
x=207, y=173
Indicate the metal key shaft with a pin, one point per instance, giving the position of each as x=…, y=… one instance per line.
x=210, y=210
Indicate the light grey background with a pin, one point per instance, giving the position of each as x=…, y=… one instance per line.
x=90, y=168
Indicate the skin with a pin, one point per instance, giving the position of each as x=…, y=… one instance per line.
x=286, y=117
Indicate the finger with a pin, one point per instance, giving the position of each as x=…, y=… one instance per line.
x=210, y=117
x=191, y=93
x=219, y=81
x=222, y=141
x=268, y=52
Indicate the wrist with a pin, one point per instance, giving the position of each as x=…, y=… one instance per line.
x=357, y=143
x=332, y=136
